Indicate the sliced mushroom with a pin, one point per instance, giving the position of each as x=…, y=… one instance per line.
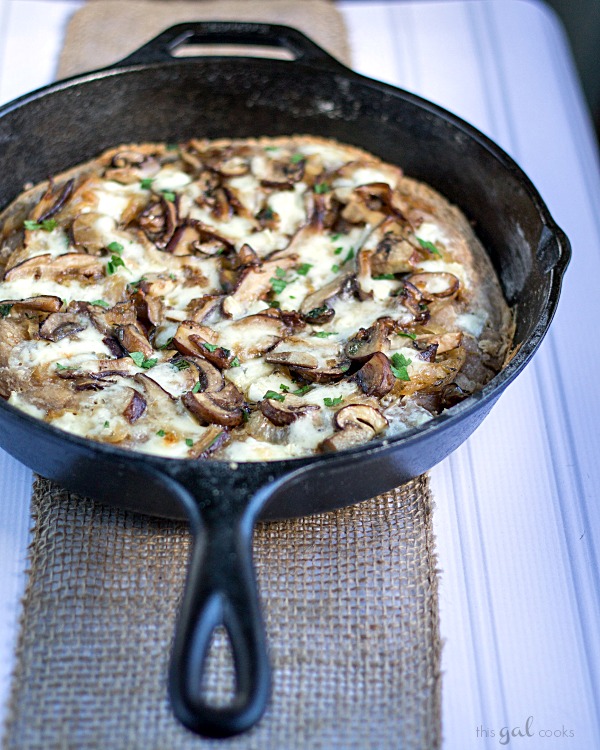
x=98, y=369
x=149, y=309
x=135, y=408
x=43, y=303
x=324, y=363
x=435, y=285
x=375, y=377
x=395, y=248
x=159, y=221
x=79, y=266
x=230, y=164
x=253, y=284
x=210, y=378
x=370, y=340
x=53, y=201
x=184, y=238
x=444, y=342
x=293, y=359
x=193, y=339
x=357, y=424
x=282, y=173
x=132, y=166
x=86, y=234
x=322, y=296
x=282, y=413
x=201, y=308
x=224, y=407
x=59, y=325
x=133, y=340
x=411, y=297
x=212, y=440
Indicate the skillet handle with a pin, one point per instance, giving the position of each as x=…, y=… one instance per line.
x=221, y=591
x=163, y=46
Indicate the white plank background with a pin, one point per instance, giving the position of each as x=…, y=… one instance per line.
x=517, y=517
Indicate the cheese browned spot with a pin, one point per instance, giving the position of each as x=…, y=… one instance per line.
x=250, y=299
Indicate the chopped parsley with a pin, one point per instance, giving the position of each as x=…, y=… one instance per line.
x=274, y=395
x=172, y=147
x=429, y=246
x=399, y=366
x=321, y=187
x=146, y=184
x=280, y=272
x=284, y=388
x=302, y=390
x=277, y=285
x=295, y=158
x=189, y=442
x=142, y=361
x=47, y=225
x=210, y=347
x=335, y=237
x=4, y=310
x=304, y=268
x=274, y=303
x=166, y=345
x=324, y=334
x=412, y=336
x=235, y=362
x=66, y=367
x=115, y=247
x=197, y=387
x=106, y=424
x=114, y=262
x=386, y=276
x=271, y=148
x=161, y=433
x=335, y=268
x=333, y=401
x=180, y=364
x=99, y=303
x=338, y=251
x=348, y=257
x=316, y=312
x=168, y=195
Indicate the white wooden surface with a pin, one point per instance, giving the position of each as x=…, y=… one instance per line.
x=517, y=516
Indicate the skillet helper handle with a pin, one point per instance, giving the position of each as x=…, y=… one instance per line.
x=220, y=591
x=163, y=46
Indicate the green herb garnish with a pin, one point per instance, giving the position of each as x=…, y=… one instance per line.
x=210, y=347
x=274, y=303
x=114, y=262
x=166, y=345
x=4, y=310
x=235, y=362
x=142, y=361
x=412, y=336
x=335, y=268
x=296, y=158
x=280, y=272
x=284, y=388
x=429, y=246
x=197, y=387
x=146, y=183
x=399, y=366
x=189, y=442
x=348, y=257
x=324, y=334
x=66, y=367
x=386, y=276
x=180, y=364
x=338, y=251
x=99, y=303
x=274, y=395
x=278, y=285
x=168, y=195
x=333, y=401
x=106, y=424
x=115, y=247
x=304, y=268
x=302, y=390
x=161, y=433
x=335, y=237
x=47, y=225
x=321, y=187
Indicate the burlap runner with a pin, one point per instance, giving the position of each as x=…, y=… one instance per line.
x=350, y=597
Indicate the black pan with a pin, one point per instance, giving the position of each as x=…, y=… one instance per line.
x=153, y=96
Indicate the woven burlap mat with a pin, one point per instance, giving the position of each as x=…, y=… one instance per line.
x=349, y=597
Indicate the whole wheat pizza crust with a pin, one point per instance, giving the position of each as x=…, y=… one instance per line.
x=245, y=299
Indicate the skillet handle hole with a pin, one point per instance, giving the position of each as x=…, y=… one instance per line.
x=219, y=684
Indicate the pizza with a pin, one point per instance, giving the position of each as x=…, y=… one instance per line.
x=243, y=300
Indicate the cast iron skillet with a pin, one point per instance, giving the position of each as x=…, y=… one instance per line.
x=153, y=96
